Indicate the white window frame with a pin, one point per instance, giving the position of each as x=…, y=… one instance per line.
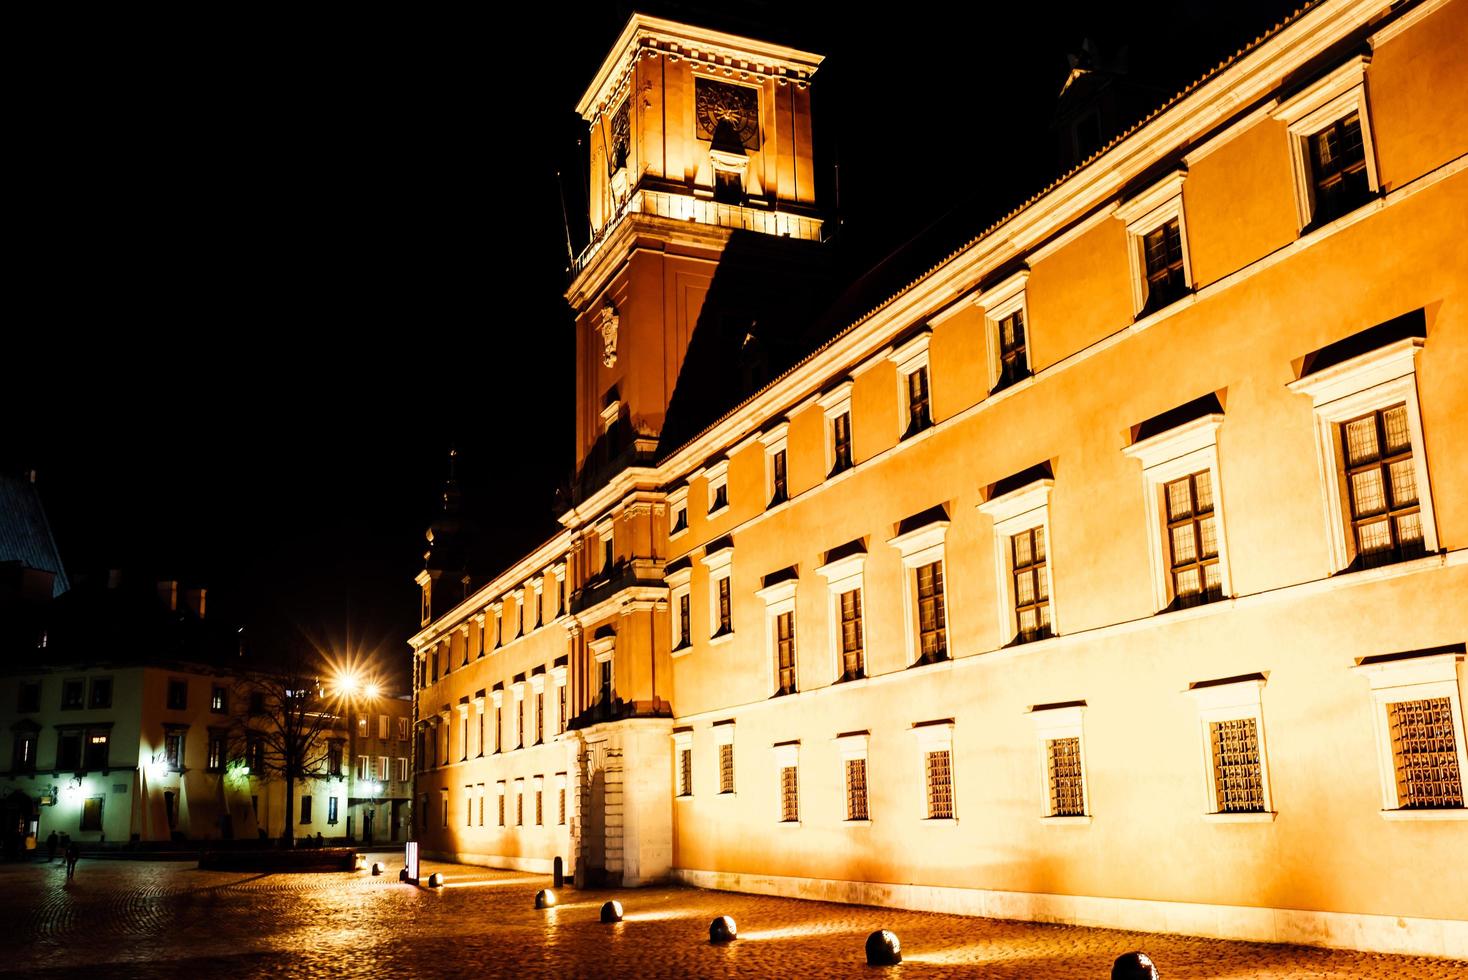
x=1319, y=105
x=786, y=756
x=497, y=698
x=517, y=716
x=679, y=586
x=855, y=745
x=603, y=651
x=845, y=575
x=933, y=737
x=1003, y=300
x=1414, y=679
x=479, y=794
x=909, y=358
x=779, y=599
x=498, y=609
x=537, y=786
x=463, y=710
x=835, y=403
x=720, y=566
x=1348, y=390
x=558, y=678
x=1236, y=701
x=519, y=813
x=479, y=619
x=1178, y=452
x=402, y=769
x=1055, y=723
x=502, y=808
x=1145, y=213
x=678, y=501
x=537, y=686
x=776, y=440
x=605, y=531
x=1016, y=512
x=682, y=742
x=479, y=718
x=922, y=546
x=537, y=604
x=716, y=476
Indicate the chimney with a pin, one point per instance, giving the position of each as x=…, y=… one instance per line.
x=168, y=593
x=194, y=601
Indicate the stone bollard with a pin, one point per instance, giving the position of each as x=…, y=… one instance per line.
x=378, y=867
x=1134, y=966
x=611, y=911
x=560, y=872
x=883, y=948
x=435, y=880
x=723, y=930
x=545, y=899
x=403, y=875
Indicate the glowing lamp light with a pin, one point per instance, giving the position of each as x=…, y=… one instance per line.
x=545, y=899
x=611, y=912
x=723, y=930
x=372, y=690
x=883, y=948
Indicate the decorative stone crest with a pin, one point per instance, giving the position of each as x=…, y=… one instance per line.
x=608, y=329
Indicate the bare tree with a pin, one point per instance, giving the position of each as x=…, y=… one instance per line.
x=288, y=726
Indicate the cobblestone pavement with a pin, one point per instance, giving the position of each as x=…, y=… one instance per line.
x=162, y=919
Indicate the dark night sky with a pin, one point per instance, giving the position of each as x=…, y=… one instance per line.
x=268, y=270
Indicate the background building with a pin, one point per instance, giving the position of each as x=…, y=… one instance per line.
x=1108, y=571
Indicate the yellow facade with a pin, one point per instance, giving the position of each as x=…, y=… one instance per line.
x=1083, y=776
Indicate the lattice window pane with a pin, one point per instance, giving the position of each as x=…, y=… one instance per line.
x=1067, y=794
x=1367, y=492
x=1208, y=530
x=1238, y=773
x=789, y=794
x=1425, y=753
x=940, y=785
x=1375, y=536
x=1203, y=490
x=1184, y=544
x=1039, y=544
x=685, y=772
x=1179, y=500
x=1404, y=482
x=856, y=789
x=1023, y=553
x=1361, y=444
x=726, y=768
x=1024, y=588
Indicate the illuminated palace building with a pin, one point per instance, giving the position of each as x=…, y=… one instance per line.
x=1111, y=571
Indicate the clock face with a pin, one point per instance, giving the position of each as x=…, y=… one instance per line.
x=718, y=102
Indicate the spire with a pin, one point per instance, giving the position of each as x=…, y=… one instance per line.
x=451, y=495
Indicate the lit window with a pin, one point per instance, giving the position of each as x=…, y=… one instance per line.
x=718, y=486
x=683, y=744
x=561, y=798
x=1006, y=310
x=96, y=750
x=935, y=744
x=1330, y=145
x=1157, y=245
x=479, y=795
x=519, y=803
x=1180, y=476
x=1058, y=729
x=558, y=676
x=777, y=476
x=499, y=789
x=920, y=540
x=216, y=751
x=721, y=610
x=836, y=406
x=1378, y=498
x=539, y=785
x=443, y=807
x=853, y=751
x=219, y=700
x=602, y=651
x=844, y=573
x=779, y=598
x=538, y=683
x=173, y=749
x=911, y=359
x=1418, y=710
x=1020, y=509
x=726, y=764
x=787, y=762
x=402, y=769
x=519, y=691
x=498, y=697
x=678, y=576
x=469, y=805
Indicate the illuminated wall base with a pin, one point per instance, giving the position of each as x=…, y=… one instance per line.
x=1371, y=933
x=534, y=865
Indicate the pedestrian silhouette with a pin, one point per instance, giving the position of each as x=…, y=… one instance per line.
x=51, y=844
x=73, y=853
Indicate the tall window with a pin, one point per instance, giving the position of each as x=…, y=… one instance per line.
x=499, y=727
x=852, y=660
x=841, y=442
x=178, y=695
x=216, y=751
x=92, y=812
x=1063, y=763
x=1425, y=754
x=939, y=765
x=785, y=652
x=604, y=672
x=520, y=719
x=1238, y=768
x=561, y=708
x=1192, y=536
x=306, y=808
x=218, y=700
x=685, y=772
x=332, y=809
x=725, y=613
x=23, y=759
x=1031, y=584
x=1013, y=361
x=479, y=720
x=173, y=749
x=500, y=792
x=685, y=620
x=539, y=716
x=1381, y=480
x=789, y=794
x=779, y=489
x=101, y=693
x=932, y=622
x=856, y=789
x=539, y=802
x=1338, y=168
x=726, y=767
x=919, y=410
x=73, y=694
x=519, y=803
x=96, y=749
x=1162, y=254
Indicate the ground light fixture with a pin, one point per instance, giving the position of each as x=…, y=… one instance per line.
x=723, y=930
x=1136, y=965
x=378, y=867
x=435, y=880
x=545, y=899
x=884, y=948
x=611, y=911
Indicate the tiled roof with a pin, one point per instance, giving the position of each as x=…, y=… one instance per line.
x=25, y=534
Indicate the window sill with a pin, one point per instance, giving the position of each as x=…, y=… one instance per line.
x=788, y=823
x=716, y=511
x=683, y=796
x=1446, y=813
x=677, y=532
x=682, y=651
x=857, y=823
x=1266, y=817
x=941, y=820
x=1082, y=821
x=720, y=638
